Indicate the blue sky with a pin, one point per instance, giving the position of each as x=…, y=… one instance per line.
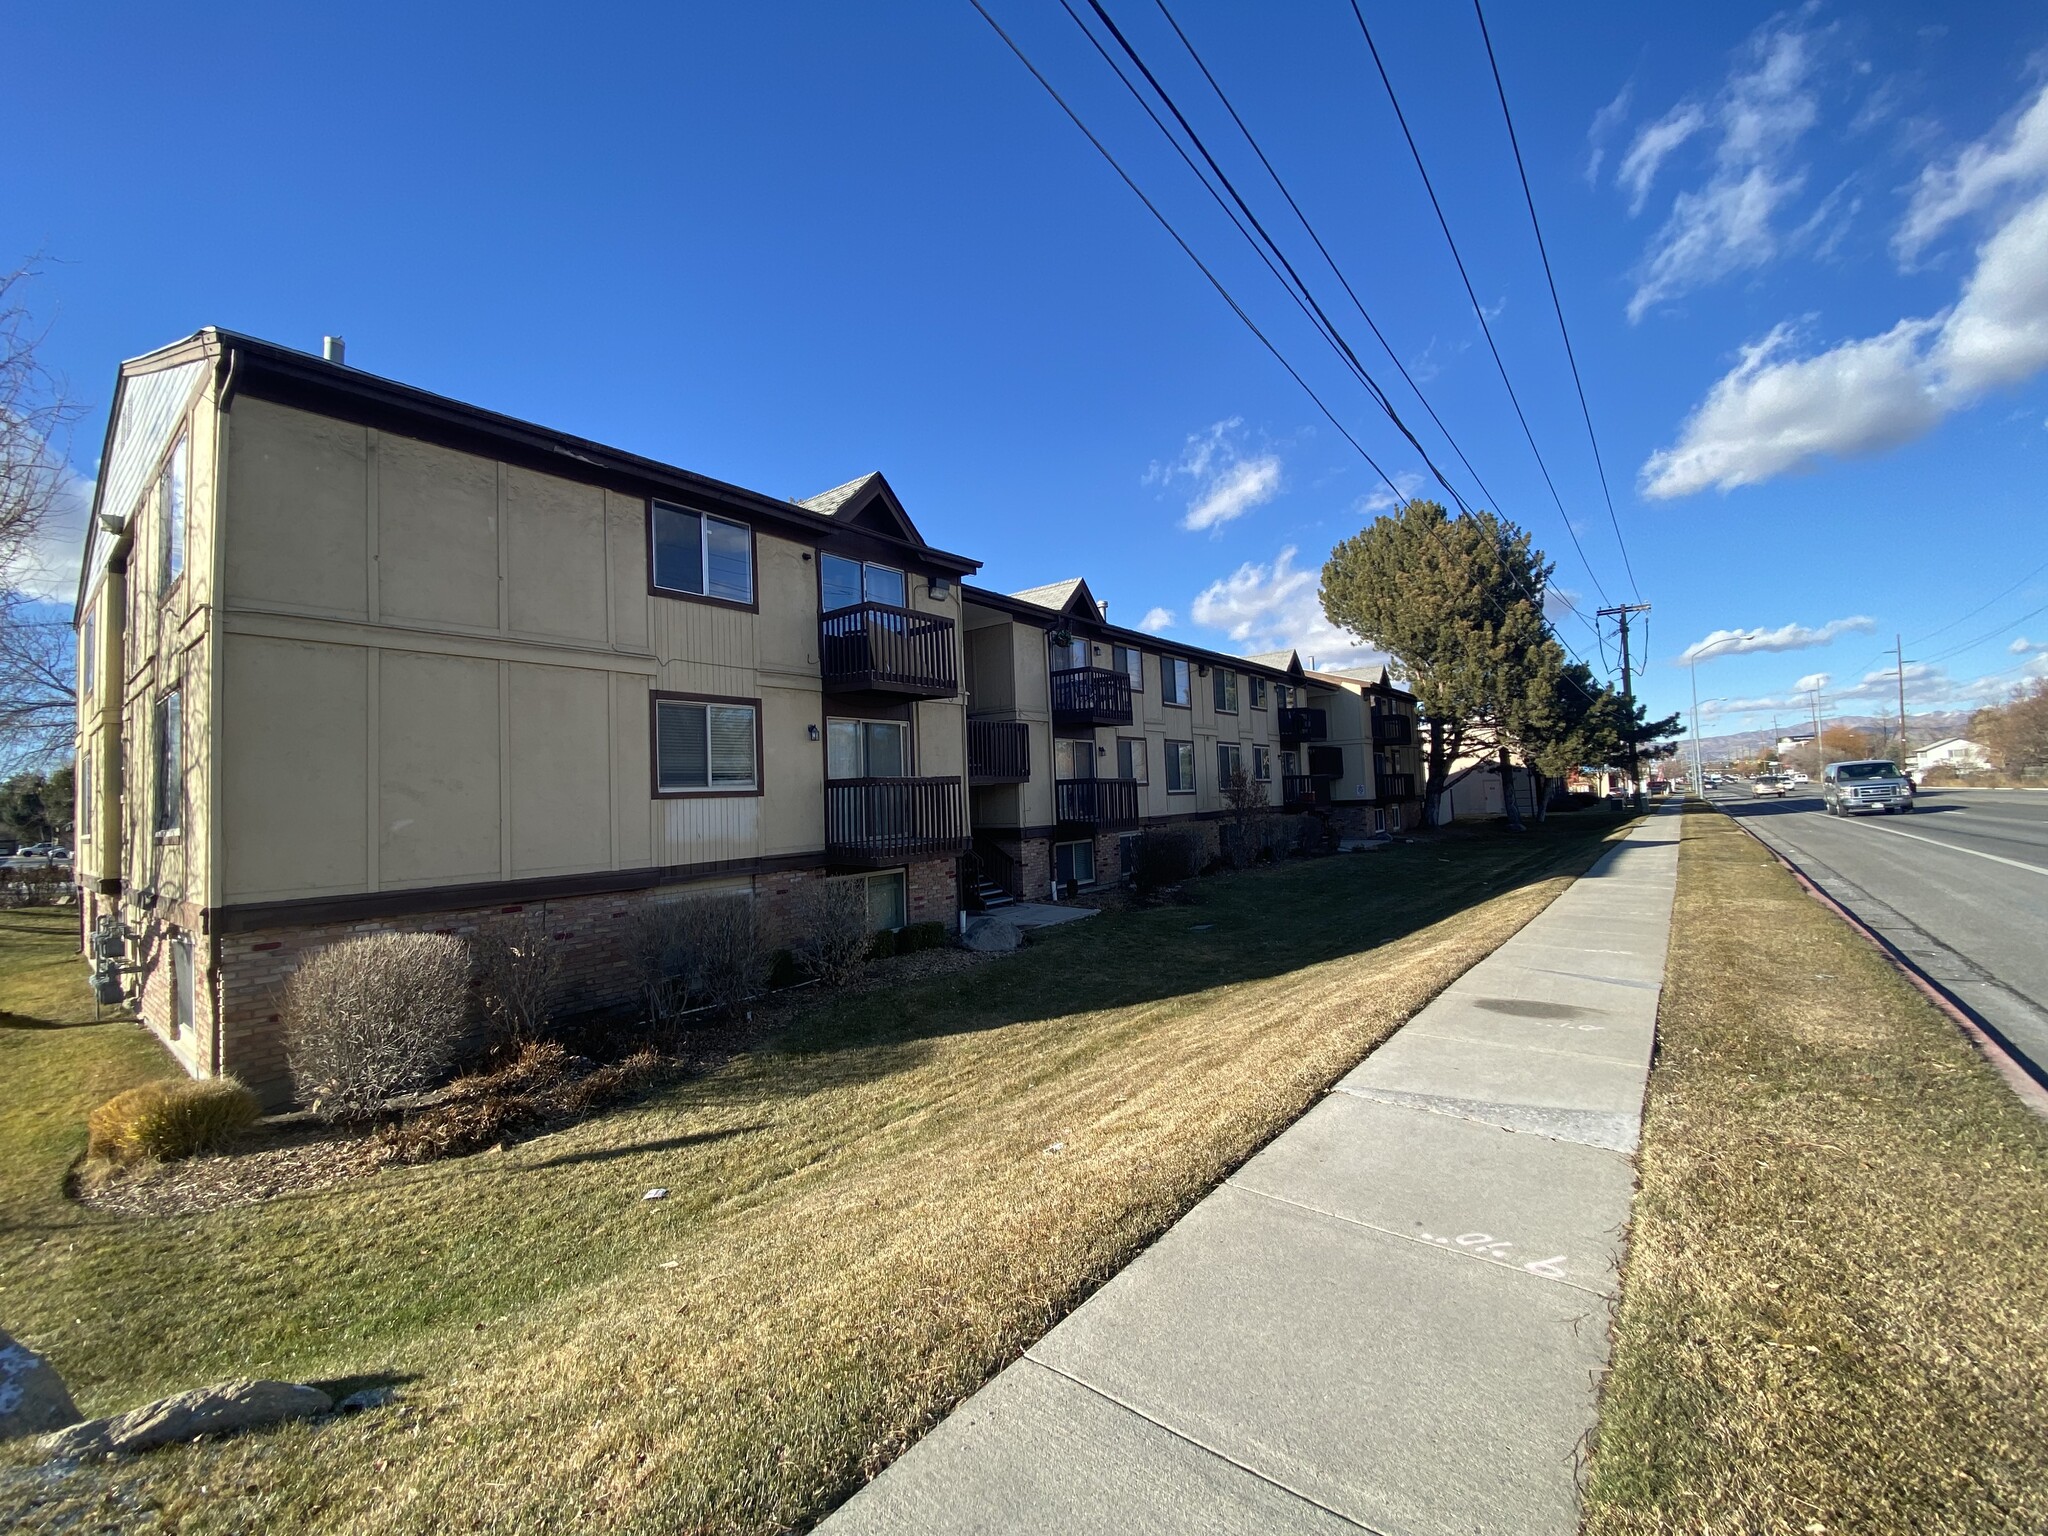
x=1803, y=254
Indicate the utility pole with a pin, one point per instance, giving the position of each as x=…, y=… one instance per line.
x=1620, y=615
x=1899, y=649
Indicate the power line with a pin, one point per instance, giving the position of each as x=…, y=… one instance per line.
x=1299, y=289
x=1471, y=293
x=2008, y=592
x=1331, y=261
x=1556, y=303
x=1221, y=290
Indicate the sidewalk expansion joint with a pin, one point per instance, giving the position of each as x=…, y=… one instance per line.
x=1186, y=1439
x=1419, y=1242
x=1417, y=1027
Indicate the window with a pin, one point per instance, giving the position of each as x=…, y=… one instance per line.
x=1131, y=662
x=1127, y=853
x=1173, y=680
x=1067, y=654
x=1262, y=764
x=1229, y=759
x=700, y=746
x=88, y=648
x=843, y=583
x=1290, y=765
x=170, y=766
x=85, y=793
x=1283, y=695
x=1073, y=759
x=1130, y=759
x=1073, y=864
x=702, y=556
x=866, y=749
x=1258, y=693
x=171, y=506
x=886, y=905
x=1225, y=683
x=1180, y=767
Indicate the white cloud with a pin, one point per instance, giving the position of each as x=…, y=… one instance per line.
x=1233, y=492
x=1277, y=607
x=1977, y=177
x=1229, y=481
x=1605, y=121
x=48, y=568
x=1813, y=682
x=1775, y=412
x=1653, y=145
x=1786, y=637
x=1156, y=620
x=1726, y=225
x=1407, y=482
x=2022, y=646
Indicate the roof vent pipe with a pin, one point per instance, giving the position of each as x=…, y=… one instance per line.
x=332, y=348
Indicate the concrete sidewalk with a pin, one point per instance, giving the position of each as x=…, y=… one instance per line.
x=1391, y=1319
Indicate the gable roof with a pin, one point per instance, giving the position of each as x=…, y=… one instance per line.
x=1069, y=596
x=868, y=501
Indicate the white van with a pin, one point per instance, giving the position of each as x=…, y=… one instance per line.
x=1849, y=789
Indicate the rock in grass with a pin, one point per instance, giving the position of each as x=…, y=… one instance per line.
x=220, y=1410
x=33, y=1398
x=992, y=936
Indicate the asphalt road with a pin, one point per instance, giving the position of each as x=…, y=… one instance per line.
x=1960, y=886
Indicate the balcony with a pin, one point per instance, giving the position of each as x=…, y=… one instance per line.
x=1304, y=725
x=1393, y=731
x=998, y=752
x=1090, y=696
x=1391, y=788
x=1300, y=790
x=879, y=822
x=880, y=648
x=1095, y=802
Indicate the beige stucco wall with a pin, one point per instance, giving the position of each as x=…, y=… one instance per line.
x=438, y=671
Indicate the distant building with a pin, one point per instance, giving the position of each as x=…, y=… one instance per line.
x=1956, y=752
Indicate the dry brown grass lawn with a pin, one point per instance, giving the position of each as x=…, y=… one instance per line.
x=864, y=1223
x=1835, y=1306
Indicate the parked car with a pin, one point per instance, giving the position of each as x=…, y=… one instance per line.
x=1876, y=784
x=1767, y=784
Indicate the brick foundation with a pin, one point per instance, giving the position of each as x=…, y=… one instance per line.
x=239, y=992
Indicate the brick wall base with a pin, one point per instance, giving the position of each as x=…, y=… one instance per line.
x=238, y=987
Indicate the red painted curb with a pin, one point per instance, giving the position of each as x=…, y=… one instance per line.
x=2017, y=1077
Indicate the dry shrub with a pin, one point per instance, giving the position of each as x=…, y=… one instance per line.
x=831, y=933
x=376, y=1016
x=171, y=1119
x=541, y=1087
x=519, y=973
x=701, y=951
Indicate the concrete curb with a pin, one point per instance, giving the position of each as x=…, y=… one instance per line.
x=2019, y=1077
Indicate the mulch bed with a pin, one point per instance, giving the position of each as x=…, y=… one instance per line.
x=602, y=1060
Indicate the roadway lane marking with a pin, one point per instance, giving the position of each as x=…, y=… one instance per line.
x=1958, y=848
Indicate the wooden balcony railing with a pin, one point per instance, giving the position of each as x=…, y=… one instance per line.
x=1392, y=731
x=1095, y=802
x=1304, y=725
x=887, y=821
x=885, y=649
x=1390, y=788
x=998, y=752
x=1091, y=696
x=1299, y=789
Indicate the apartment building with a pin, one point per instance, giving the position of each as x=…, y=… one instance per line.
x=354, y=657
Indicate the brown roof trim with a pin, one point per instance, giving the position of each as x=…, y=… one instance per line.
x=1047, y=619
x=256, y=916
x=290, y=377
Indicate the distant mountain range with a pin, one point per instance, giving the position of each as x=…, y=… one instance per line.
x=1920, y=730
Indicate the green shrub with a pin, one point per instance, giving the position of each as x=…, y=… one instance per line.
x=169, y=1120
x=882, y=945
x=921, y=936
x=783, y=971
x=1165, y=858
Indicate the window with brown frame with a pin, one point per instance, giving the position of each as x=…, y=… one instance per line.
x=706, y=746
